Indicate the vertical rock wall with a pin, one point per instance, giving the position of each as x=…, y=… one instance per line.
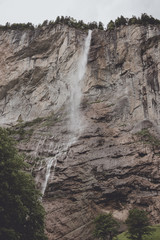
x=114, y=164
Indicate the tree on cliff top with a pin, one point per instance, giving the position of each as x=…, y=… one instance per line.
x=21, y=213
x=106, y=227
x=138, y=224
x=143, y=20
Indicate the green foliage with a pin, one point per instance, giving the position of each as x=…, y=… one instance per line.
x=52, y=119
x=71, y=22
x=111, y=25
x=106, y=227
x=100, y=26
x=143, y=20
x=154, y=235
x=138, y=224
x=155, y=232
x=133, y=20
x=92, y=25
x=24, y=130
x=33, y=122
x=148, y=138
x=21, y=213
x=120, y=21
x=17, y=26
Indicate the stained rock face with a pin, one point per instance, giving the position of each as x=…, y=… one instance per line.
x=113, y=165
x=34, y=72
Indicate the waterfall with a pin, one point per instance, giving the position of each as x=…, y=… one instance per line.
x=76, y=124
x=47, y=174
x=76, y=121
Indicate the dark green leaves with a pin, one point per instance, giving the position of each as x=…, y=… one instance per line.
x=138, y=224
x=21, y=213
x=105, y=227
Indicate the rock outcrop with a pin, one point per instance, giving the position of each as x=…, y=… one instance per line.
x=114, y=164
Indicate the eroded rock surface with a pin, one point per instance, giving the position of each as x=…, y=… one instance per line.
x=114, y=164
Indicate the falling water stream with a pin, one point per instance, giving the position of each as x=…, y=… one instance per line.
x=50, y=162
x=76, y=123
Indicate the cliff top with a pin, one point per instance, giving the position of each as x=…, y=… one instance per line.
x=71, y=22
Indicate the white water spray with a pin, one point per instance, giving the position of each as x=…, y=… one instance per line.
x=50, y=162
x=76, y=121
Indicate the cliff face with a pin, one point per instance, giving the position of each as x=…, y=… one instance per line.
x=35, y=67
x=113, y=164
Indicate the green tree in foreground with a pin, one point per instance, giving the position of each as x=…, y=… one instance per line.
x=21, y=213
x=138, y=224
x=106, y=227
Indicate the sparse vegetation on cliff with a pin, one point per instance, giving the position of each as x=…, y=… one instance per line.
x=71, y=22
x=17, y=26
x=148, y=138
x=143, y=20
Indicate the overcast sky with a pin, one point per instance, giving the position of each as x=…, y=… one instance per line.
x=36, y=11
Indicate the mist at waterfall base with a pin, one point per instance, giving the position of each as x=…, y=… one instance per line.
x=76, y=123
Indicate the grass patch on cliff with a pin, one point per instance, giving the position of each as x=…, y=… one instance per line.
x=20, y=133
x=33, y=122
x=52, y=119
x=148, y=138
x=24, y=130
x=154, y=236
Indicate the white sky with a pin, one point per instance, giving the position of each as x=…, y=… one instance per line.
x=36, y=11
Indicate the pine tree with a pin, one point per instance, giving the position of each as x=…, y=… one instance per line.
x=106, y=227
x=111, y=25
x=138, y=224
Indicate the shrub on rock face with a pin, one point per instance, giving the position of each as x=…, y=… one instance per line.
x=106, y=227
x=21, y=213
